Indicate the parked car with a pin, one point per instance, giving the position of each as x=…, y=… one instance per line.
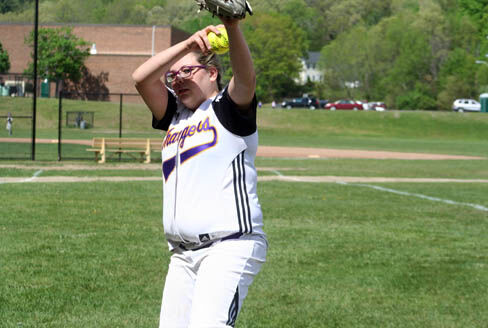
x=466, y=105
x=344, y=104
x=323, y=102
x=13, y=91
x=305, y=102
x=377, y=106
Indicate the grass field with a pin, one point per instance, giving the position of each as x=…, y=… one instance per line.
x=407, y=131
x=93, y=254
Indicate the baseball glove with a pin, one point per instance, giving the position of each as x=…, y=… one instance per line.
x=226, y=8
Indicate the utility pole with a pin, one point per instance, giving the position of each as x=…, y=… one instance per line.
x=34, y=100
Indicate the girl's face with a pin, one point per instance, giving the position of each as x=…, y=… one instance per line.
x=198, y=86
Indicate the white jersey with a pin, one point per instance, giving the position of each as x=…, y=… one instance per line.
x=209, y=177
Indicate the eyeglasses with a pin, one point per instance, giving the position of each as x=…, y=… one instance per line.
x=184, y=72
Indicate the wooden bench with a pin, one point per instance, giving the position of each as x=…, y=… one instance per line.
x=142, y=146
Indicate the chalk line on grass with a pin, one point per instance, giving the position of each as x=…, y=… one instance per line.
x=65, y=179
x=36, y=174
x=20, y=180
x=277, y=173
x=333, y=179
x=409, y=194
x=351, y=181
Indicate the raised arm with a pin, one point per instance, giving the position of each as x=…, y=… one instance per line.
x=147, y=77
x=243, y=83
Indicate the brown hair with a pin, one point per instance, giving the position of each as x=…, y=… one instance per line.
x=212, y=60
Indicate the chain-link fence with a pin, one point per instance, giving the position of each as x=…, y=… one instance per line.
x=16, y=108
x=66, y=126
x=16, y=137
x=105, y=116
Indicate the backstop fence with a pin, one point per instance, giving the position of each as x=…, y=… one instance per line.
x=114, y=115
x=15, y=103
x=16, y=138
x=66, y=126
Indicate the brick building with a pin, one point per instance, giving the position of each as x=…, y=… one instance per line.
x=117, y=50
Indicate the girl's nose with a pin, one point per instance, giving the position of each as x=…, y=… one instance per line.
x=178, y=79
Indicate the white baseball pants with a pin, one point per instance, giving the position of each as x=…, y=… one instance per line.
x=205, y=288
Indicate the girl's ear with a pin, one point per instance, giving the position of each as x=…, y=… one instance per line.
x=214, y=73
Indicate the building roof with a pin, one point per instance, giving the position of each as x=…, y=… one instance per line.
x=313, y=57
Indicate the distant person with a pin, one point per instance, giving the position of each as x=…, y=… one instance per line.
x=273, y=104
x=260, y=104
x=79, y=118
x=10, y=120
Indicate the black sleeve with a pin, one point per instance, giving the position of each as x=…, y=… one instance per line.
x=235, y=120
x=164, y=123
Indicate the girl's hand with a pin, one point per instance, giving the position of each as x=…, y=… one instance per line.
x=199, y=40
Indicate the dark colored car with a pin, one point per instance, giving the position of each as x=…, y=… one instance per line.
x=323, y=102
x=306, y=102
x=13, y=90
x=344, y=104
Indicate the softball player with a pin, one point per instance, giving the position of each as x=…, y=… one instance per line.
x=211, y=214
x=10, y=120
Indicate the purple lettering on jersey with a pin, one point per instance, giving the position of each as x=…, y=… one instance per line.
x=184, y=134
x=168, y=167
x=199, y=127
x=167, y=141
x=187, y=154
x=180, y=136
x=188, y=131
x=206, y=125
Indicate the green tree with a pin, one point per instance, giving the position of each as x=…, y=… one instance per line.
x=199, y=22
x=67, y=11
x=61, y=55
x=386, y=61
x=149, y=4
x=405, y=47
x=482, y=79
x=342, y=15
x=478, y=10
x=431, y=20
x=4, y=60
x=178, y=12
x=307, y=19
x=13, y=5
x=342, y=62
x=458, y=78
x=462, y=32
x=277, y=45
x=125, y=12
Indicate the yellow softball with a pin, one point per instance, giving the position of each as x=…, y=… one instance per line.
x=219, y=43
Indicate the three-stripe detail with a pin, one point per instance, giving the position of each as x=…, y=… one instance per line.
x=233, y=309
x=241, y=195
